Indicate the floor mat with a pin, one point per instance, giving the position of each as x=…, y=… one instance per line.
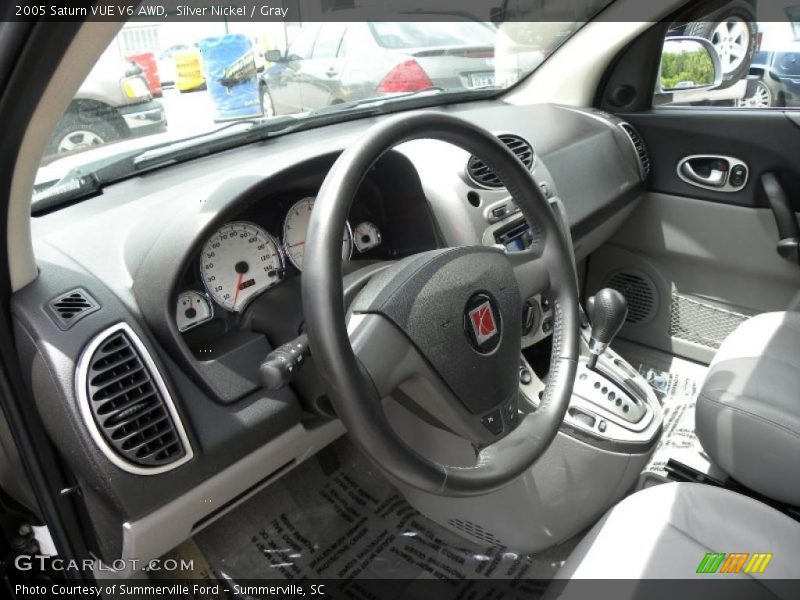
x=336, y=517
x=676, y=382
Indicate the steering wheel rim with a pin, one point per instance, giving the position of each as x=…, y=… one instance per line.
x=356, y=391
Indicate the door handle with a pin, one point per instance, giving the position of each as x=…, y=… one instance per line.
x=714, y=172
x=715, y=177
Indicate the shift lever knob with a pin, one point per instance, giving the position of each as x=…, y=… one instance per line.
x=607, y=311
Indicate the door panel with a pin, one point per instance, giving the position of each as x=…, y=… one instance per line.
x=697, y=262
x=767, y=140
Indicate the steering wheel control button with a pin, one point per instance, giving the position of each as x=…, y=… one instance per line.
x=528, y=317
x=493, y=422
x=525, y=376
x=602, y=426
x=482, y=322
x=512, y=414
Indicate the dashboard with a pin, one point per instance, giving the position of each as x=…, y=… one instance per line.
x=195, y=271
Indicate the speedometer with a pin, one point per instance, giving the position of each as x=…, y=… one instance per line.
x=295, y=227
x=238, y=262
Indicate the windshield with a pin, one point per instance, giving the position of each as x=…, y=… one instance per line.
x=432, y=35
x=162, y=82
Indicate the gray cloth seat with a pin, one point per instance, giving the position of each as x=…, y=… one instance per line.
x=665, y=531
x=748, y=409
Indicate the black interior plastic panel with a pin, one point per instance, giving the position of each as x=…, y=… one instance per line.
x=767, y=140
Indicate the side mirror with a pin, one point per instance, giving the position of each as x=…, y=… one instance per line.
x=688, y=65
x=273, y=56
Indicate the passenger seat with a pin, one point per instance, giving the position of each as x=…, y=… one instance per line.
x=748, y=409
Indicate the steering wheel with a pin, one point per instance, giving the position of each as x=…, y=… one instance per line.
x=444, y=325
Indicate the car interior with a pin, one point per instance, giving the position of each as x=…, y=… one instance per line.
x=546, y=332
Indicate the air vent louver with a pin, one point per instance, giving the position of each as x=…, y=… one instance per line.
x=475, y=531
x=70, y=307
x=483, y=176
x=129, y=405
x=640, y=147
x=640, y=293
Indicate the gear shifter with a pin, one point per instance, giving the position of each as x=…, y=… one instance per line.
x=607, y=312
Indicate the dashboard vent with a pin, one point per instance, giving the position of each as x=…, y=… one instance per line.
x=639, y=146
x=70, y=307
x=483, y=176
x=640, y=293
x=127, y=406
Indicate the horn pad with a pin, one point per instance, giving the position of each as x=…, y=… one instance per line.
x=461, y=308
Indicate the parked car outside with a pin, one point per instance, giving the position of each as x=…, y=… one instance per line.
x=147, y=61
x=113, y=103
x=733, y=32
x=775, y=72
x=332, y=63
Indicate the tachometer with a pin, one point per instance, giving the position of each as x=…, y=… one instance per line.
x=295, y=227
x=239, y=262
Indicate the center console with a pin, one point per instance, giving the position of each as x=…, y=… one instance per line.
x=609, y=432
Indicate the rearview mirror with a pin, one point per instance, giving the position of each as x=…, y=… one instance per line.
x=688, y=65
x=273, y=56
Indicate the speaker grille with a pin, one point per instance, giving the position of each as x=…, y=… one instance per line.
x=640, y=293
x=701, y=323
x=475, y=531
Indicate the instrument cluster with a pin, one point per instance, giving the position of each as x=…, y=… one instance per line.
x=244, y=258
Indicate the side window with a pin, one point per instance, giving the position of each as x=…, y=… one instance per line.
x=757, y=61
x=328, y=41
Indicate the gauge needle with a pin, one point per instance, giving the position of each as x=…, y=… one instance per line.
x=238, y=287
x=297, y=244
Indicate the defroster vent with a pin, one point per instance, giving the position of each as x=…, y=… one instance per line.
x=483, y=176
x=70, y=307
x=126, y=405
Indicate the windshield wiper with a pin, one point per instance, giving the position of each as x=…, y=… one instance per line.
x=89, y=179
x=377, y=100
x=74, y=185
x=428, y=92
